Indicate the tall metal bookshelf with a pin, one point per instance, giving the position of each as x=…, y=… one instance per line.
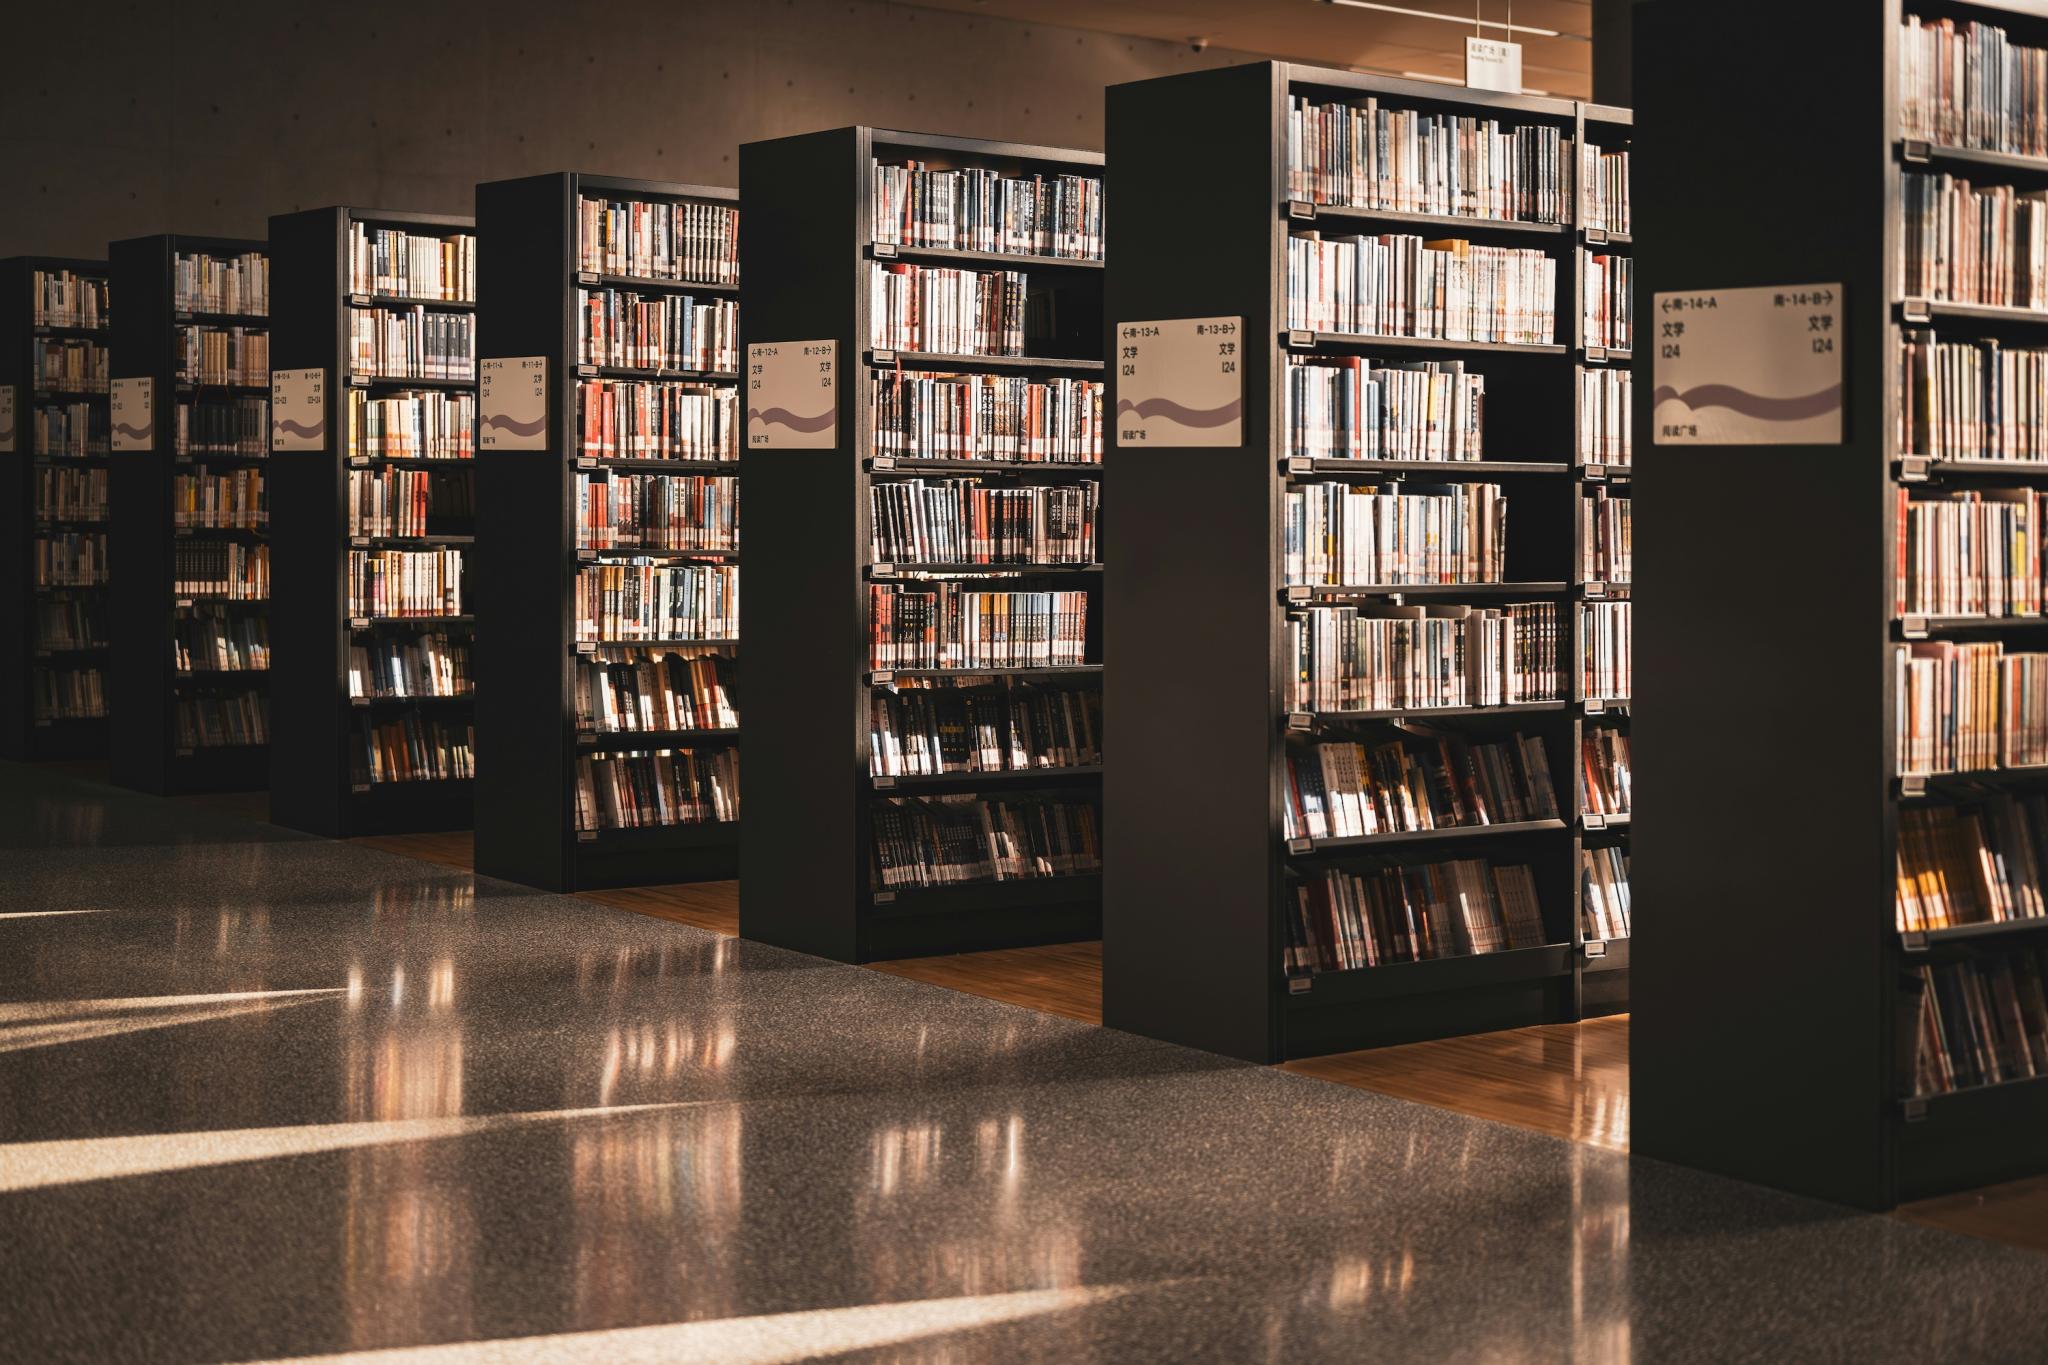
x=1775, y=1031
x=530, y=554
x=55, y=431
x=1200, y=874
x=811, y=884
x=147, y=753
x=320, y=777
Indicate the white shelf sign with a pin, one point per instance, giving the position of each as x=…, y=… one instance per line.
x=6, y=419
x=1491, y=64
x=133, y=414
x=298, y=410
x=512, y=403
x=1747, y=367
x=793, y=395
x=1180, y=382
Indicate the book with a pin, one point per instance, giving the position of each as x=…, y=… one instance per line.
x=1604, y=635
x=631, y=419
x=221, y=356
x=1964, y=243
x=410, y=746
x=423, y=664
x=70, y=494
x=1606, y=784
x=948, y=840
x=1975, y=864
x=208, y=425
x=1969, y=553
x=213, y=720
x=975, y=208
x=213, y=568
x=68, y=622
x=657, y=331
x=1004, y=725
x=65, y=298
x=1603, y=180
x=1603, y=893
x=656, y=788
x=643, y=601
x=71, y=693
x=1364, y=154
x=657, y=512
x=939, y=309
x=226, y=499
x=657, y=690
x=412, y=426
x=69, y=559
x=951, y=624
x=78, y=430
x=398, y=263
x=1396, y=533
x=409, y=502
x=68, y=365
x=1342, y=919
x=1351, y=408
x=1969, y=85
x=1399, y=285
x=208, y=639
x=968, y=521
x=411, y=343
x=658, y=239
x=1968, y=707
x=1609, y=300
x=1983, y=1021
x=205, y=283
x=403, y=583
x=1344, y=790
x=928, y=415
x=1606, y=551
x=1374, y=657
x=1606, y=412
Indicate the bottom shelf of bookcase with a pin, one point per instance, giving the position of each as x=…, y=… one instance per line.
x=84, y=737
x=219, y=768
x=1971, y=1138
x=978, y=916
x=655, y=856
x=411, y=807
x=1603, y=981
x=1405, y=1002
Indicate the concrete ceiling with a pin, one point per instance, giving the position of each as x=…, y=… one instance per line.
x=1335, y=35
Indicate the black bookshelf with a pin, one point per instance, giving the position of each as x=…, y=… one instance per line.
x=146, y=752
x=813, y=884
x=528, y=556
x=28, y=728
x=319, y=778
x=1803, y=1078
x=1197, y=886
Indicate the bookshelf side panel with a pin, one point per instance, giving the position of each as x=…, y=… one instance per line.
x=139, y=539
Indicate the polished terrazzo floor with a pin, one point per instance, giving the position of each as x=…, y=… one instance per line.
x=266, y=1097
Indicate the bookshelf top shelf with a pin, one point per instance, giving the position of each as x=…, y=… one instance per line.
x=1302, y=79
x=1302, y=210
x=627, y=187
x=451, y=224
x=1931, y=310
x=1913, y=153
x=885, y=141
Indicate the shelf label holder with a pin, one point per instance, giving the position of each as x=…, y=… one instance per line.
x=1913, y=627
x=885, y=251
x=1595, y=949
x=1916, y=150
x=1301, y=209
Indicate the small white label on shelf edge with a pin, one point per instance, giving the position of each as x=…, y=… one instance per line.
x=1180, y=383
x=298, y=410
x=512, y=403
x=793, y=395
x=1758, y=366
x=132, y=411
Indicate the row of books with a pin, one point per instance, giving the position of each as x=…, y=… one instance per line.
x=411, y=343
x=73, y=430
x=1374, y=657
x=211, y=640
x=68, y=693
x=1965, y=243
x=1413, y=912
x=657, y=331
x=632, y=419
x=658, y=512
x=216, y=720
x=656, y=789
x=68, y=365
x=65, y=298
x=1396, y=285
x=1608, y=300
x=932, y=416
x=222, y=426
x=412, y=426
x=428, y=663
x=1972, y=400
x=964, y=521
x=1975, y=864
x=410, y=747
x=1606, y=550
x=1968, y=85
x=405, y=582
x=412, y=265
x=1365, y=155
x=1606, y=782
x=1607, y=667
x=957, y=312
x=1606, y=409
x=1350, y=408
x=955, y=625
x=71, y=494
x=1347, y=790
x=1969, y=707
x=631, y=602
x=221, y=355
x=71, y=622
x=972, y=208
x=205, y=283
x=1603, y=180
x=947, y=840
x=1603, y=893
x=408, y=502
x=213, y=568
x=1359, y=534
x=658, y=240
x=233, y=498
x=998, y=727
x=1983, y=1021
x=1969, y=552
x=69, y=559
x=657, y=690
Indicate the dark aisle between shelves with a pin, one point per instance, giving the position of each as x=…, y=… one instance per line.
x=282, y=1098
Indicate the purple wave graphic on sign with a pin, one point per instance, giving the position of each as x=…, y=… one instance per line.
x=1753, y=404
x=771, y=417
x=517, y=428
x=141, y=433
x=294, y=428
x=7, y=432
x=1181, y=415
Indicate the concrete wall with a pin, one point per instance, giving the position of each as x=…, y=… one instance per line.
x=209, y=117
